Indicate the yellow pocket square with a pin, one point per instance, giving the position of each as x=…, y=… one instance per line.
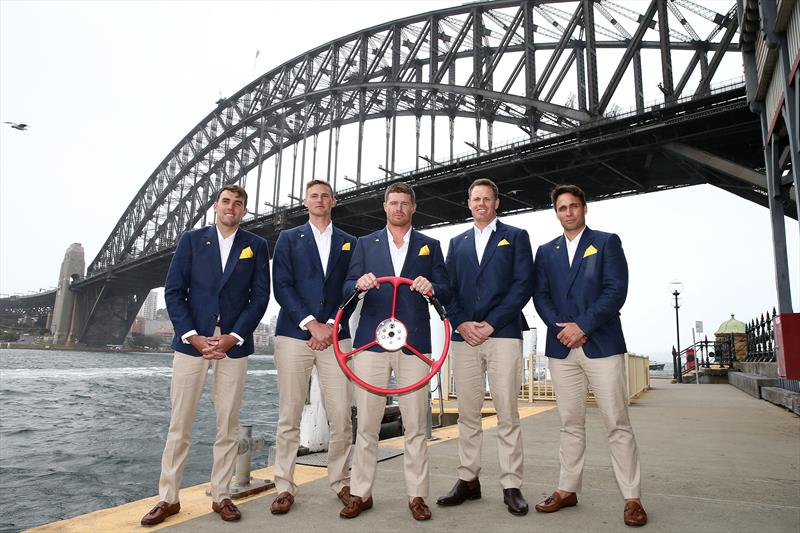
x=247, y=253
x=424, y=250
x=504, y=243
x=346, y=247
x=591, y=250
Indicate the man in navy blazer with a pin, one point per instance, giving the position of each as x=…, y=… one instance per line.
x=397, y=250
x=580, y=285
x=489, y=267
x=308, y=270
x=217, y=290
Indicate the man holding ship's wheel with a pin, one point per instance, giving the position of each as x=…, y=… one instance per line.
x=398, y=251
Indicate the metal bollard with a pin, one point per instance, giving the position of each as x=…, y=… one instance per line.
x=243, y=484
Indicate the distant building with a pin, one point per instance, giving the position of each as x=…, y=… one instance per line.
x=261, y=336
x=138, y=325
x=148, y=310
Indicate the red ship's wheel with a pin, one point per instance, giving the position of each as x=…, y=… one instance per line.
x=391, y=335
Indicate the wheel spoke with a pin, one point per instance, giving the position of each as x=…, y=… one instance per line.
x=351, y=353
x=428, y=361
x=394, y=301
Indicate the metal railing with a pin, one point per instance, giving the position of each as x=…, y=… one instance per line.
x=718, y=353
x=761, y=338
x=537, y=384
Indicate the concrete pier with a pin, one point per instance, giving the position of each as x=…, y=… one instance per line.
x=714, y=459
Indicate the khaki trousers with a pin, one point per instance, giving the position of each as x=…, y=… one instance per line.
x=294, y=361
x=607, y=377
x=375, y=368
x=501, y=360
x=188, y=377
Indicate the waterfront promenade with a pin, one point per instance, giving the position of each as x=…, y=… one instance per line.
x=713, y=459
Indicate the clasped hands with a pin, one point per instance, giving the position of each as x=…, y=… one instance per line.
x=571, y=335
x=475, y=333
x=215, y=347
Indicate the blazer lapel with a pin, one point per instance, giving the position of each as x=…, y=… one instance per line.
x=336, y=250
x=491, y=246
x=472, y=253
x=586, y=240
x=411, y=254
x=240, y=242
x=381, y=247
x=211, y=246
x=309, y=245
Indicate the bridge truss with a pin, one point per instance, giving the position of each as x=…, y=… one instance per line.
x=562, y=75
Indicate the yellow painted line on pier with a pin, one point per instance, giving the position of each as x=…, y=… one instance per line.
x=194, y=502
x=448, y=433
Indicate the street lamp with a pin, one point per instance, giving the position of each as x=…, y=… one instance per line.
x=675, y=288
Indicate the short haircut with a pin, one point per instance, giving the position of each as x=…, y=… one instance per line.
x=485, y=182
x=400, y=187
x=319, y=182
x=235, y=189
x=564, y=189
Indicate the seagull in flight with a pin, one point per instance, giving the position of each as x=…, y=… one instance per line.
x=20, y=127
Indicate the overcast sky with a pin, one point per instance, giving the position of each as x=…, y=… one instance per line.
x=110, y=87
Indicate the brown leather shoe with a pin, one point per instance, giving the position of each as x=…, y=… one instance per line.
x=160, y=512
x=355, y=506
x=419, y=510
x=227, y=510
x=555, y=502
x=634, y=514
x=344, y=494
x=282, y=503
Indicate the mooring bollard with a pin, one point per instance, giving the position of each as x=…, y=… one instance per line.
x=243, y=484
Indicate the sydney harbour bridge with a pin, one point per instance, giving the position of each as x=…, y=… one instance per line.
x=620, y=99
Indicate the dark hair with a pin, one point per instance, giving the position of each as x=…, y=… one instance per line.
x=567, y=189
x=485, y=182
x=400, y=187
x=235, y=189
x=319, y=182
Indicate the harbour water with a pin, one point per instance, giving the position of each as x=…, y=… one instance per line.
x=81, y=431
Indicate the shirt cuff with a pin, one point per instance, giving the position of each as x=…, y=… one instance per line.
x=305, y=321
x=241, y=340
x=185, y=336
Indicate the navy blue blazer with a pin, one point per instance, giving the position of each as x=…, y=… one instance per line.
x=197, y=291
x=300, y=286
x=498, y=288
x=372, y=255
x=590, y=293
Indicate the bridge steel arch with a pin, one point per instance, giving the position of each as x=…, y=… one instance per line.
x=529, y=64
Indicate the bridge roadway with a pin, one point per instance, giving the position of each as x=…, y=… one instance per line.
x=714, y=459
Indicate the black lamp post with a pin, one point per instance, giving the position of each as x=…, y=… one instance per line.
x=675, y=288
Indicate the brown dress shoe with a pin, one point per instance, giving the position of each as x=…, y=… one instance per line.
x=461, y=492
x=282, y=503
x=419, y=510
x=355, y=506
x=227, y=510
x=555, y=502
x=634, y=514
x=344, y=494
x=160, y=512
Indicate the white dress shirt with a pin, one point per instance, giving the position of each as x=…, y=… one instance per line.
x=482, y=237
x=398, y=253
x=225, y=245
x=323, y=240
x=572, y=245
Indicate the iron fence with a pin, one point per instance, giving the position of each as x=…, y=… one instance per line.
x=761, y=338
